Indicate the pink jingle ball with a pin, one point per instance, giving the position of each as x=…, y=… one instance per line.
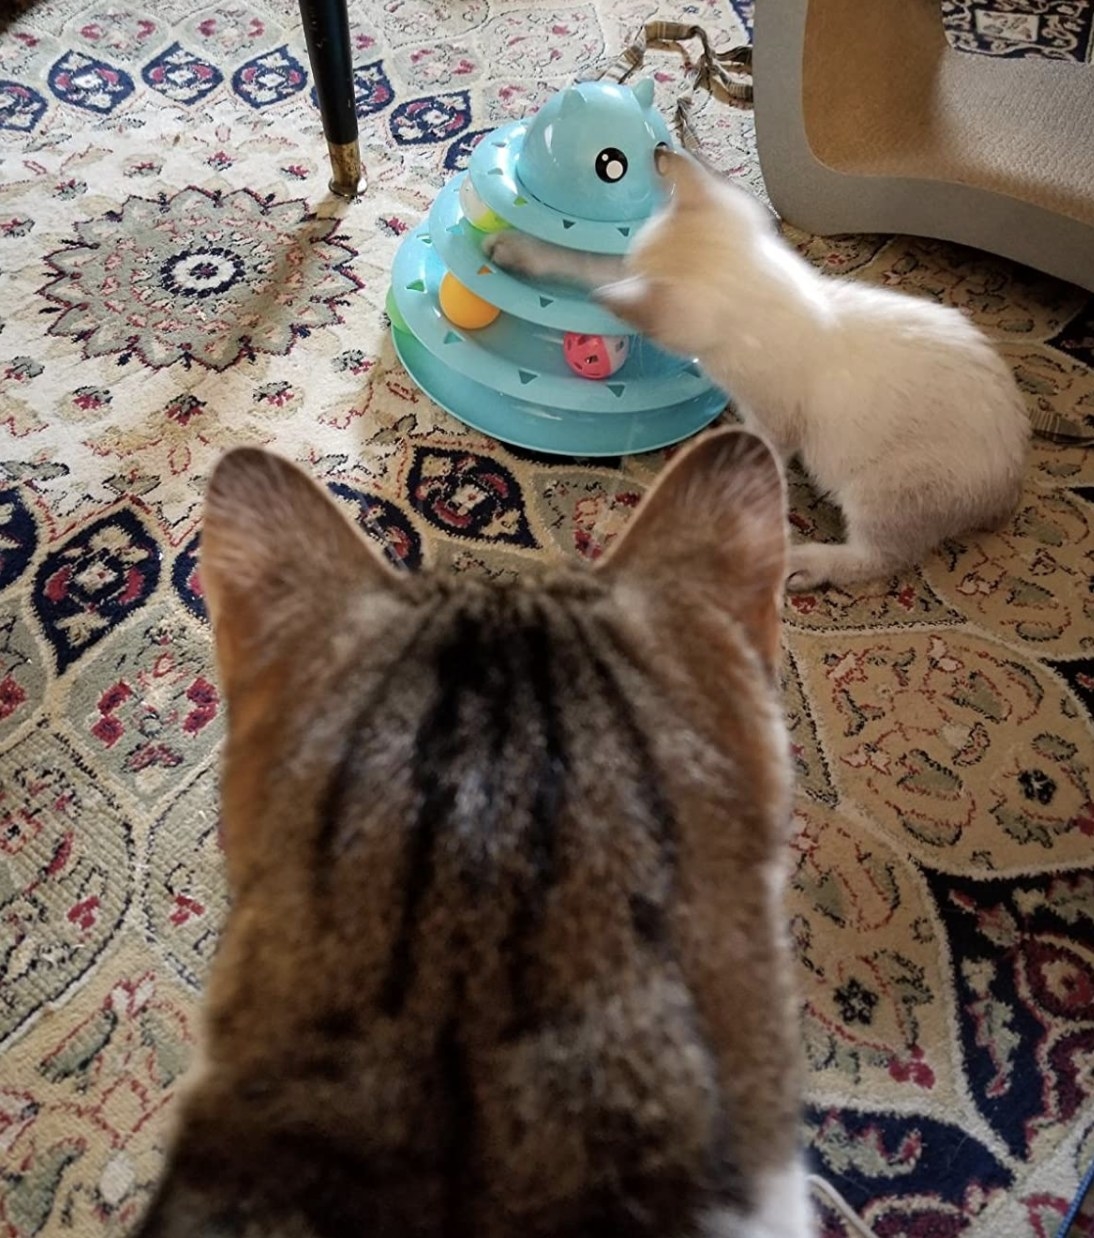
x=595, y=356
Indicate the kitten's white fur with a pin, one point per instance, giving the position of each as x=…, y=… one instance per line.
x=899, y=408
x=782, y=1210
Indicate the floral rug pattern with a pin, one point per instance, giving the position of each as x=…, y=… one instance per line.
x=175, y=279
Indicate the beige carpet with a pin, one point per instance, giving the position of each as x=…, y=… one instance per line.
x=174, y=279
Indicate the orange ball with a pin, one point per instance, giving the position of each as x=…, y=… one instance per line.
x=462, y=307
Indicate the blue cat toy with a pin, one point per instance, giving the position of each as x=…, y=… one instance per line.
x=579, y=173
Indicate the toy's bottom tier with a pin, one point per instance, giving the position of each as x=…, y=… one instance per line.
x=524, y=360
x=540, y=427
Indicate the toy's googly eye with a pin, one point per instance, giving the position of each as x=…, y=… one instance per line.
x=611, y=165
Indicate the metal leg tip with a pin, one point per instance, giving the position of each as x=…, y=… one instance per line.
x=345, y=165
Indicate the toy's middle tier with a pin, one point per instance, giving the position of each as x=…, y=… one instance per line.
x=549, y=303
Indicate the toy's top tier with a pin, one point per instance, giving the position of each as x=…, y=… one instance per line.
x=589, y=152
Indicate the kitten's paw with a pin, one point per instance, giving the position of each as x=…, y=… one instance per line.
x=513, y=251
x=803, y=582
x=815, y=564
x=807, y=568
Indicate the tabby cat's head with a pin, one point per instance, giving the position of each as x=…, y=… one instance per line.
x=467, y=829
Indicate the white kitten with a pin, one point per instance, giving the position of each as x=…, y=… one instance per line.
x=900, y=409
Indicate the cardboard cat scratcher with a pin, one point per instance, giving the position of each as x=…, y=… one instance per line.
x=868, y=121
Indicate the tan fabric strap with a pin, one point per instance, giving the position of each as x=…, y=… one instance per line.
x=1060, y=429
x=724, y=75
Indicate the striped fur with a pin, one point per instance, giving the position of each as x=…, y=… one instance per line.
x=504, y=955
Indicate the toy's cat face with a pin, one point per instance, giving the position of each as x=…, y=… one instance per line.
x=589, y=152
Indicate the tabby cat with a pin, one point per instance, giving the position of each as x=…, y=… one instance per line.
x=505, y=956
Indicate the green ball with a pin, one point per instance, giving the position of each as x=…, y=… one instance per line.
x=476, y=212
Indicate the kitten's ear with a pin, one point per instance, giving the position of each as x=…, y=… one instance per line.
x=714, y=522
x=635, y=300
x=277, y=556
x=691, y=181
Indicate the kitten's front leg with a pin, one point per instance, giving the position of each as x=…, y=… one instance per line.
x=527, y=255
x=785, y=446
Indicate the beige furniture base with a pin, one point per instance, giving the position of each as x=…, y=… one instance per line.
x=868, y=121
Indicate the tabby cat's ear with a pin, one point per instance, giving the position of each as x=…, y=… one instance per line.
x=712, y=530
x=277, y=556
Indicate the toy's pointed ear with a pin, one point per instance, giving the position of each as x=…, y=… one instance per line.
x=643, y=92
x=573, y=103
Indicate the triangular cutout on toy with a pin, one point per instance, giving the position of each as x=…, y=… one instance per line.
x=545, y=301
x=426, y=240
x=518, y=201
x=616, y=389
x=526, y=376
x=450, y=337
x=624, y=231
x=693, y=370
x=484, y=271
x=568, y=223
x=417, y=286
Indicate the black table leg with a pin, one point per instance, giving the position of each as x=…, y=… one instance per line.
x=326, y=28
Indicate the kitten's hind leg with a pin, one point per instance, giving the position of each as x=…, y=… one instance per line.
x=842, y=563
x=527, y=255
x=887, y=530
